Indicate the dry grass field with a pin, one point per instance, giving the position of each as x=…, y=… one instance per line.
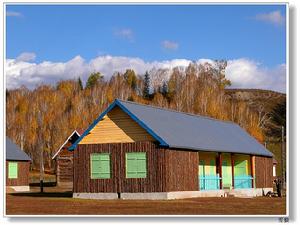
x=60, y=202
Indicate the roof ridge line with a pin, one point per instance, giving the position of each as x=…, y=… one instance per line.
x=176, y=111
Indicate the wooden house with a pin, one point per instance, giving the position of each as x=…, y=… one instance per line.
x=64, y=161
x=135, y=151
x=17, y=168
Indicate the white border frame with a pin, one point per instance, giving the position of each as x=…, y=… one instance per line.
x=174, y=2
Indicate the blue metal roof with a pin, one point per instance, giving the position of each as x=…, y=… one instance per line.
x=13, y=152
x=175, y=129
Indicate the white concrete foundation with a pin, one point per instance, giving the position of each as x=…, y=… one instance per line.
x=195, y=194
x=263, y=191
x=20, y=188
x=149, y=195
x=240, y=193
x=96, y=195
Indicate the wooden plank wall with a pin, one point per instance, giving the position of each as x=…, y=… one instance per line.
x=118, y=182
x=64, y=167
x=181, y=170
x=82, y=181
x=116, y=127
x=263, y=172
x=23, y=174
x=167, y=170
x=155, y=180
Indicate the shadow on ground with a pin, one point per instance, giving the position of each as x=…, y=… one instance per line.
x=46, y=184
x=66, y=194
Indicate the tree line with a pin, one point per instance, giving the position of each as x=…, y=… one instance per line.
x=41, y=119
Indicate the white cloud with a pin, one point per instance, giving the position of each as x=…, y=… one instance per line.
x=31, y=74
x=125, y=33
x=243, y=73
x=26, y=57
x=170, y=45
x=274, y=17
x=13, y=14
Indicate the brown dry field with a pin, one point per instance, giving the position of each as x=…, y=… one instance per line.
x=53, y=202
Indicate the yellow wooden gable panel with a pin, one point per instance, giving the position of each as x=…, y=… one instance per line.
x=116, y=127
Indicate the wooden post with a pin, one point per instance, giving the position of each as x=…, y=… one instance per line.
x=39, y=119
x=220, y=170
x=232, y=169
x=41, y=171
x=282, y=158
x=252, y=169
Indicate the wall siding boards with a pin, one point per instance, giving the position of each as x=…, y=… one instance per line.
x=64, y=167
x=23, y=174
x=167, y=170
x=116, y=127
x=263, y=172
x=181, y=170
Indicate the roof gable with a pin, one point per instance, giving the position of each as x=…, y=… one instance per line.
x=72, y=138
x=116, y=127
x=187, y=131
x=118, y=102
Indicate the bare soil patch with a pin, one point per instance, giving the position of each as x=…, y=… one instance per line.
x=60, y=202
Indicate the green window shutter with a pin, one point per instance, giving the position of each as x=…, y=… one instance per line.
x=12, y=170
x=131, y=165
x=136, y=166
x=100, y=165
x=141, y=165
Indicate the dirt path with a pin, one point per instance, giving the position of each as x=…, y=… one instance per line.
x=63, y=204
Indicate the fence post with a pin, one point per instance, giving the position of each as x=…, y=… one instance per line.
x=282, y=158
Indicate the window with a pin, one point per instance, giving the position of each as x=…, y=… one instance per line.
x=12, y=170
x=274, y=171
x=136, y=166
x=100, y=165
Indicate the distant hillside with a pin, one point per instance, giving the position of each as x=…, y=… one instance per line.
x=257, y=98
x=262, y=101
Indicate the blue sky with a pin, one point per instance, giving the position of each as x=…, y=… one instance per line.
x=58, y=33
x=218, y=32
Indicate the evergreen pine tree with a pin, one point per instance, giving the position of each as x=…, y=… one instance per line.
x=93, y=79
x=131, y=78
x=80, y=84
x=146, y=91
x=164, y=89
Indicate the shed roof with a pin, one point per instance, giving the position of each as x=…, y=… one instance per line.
x=175, y=129
x=13, y=152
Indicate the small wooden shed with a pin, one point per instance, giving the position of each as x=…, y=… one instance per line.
x=17, y=168
x=135, y=151
x=64, y=161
